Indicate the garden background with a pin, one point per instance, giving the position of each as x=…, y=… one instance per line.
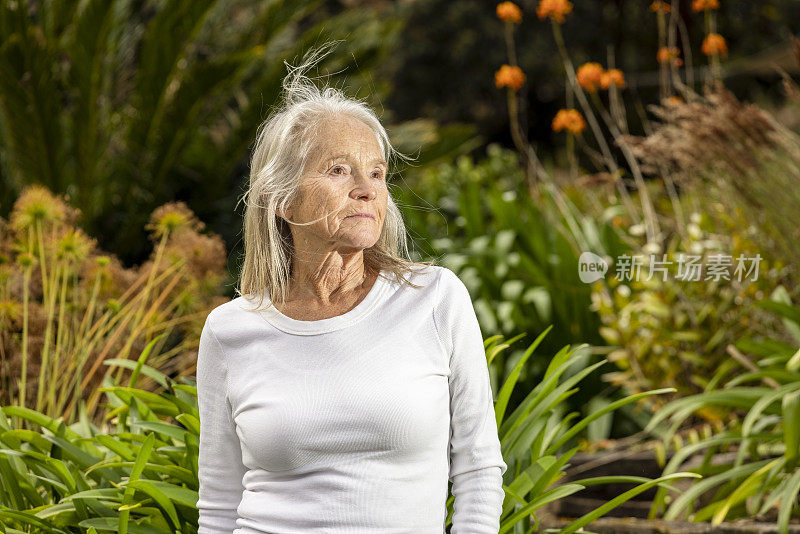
x=542, y=129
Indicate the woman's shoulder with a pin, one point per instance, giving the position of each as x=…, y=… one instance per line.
x=451, y=290
x=227, y=311
x=429, y=275
x=235, y=319
x=446, y=280
x=444, y=285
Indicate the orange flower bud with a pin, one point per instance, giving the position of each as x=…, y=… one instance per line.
x=555, y=9
x=660, y=7
x=508, y=76
x=570, y=120
x=509, y=12
x=668, y=54
x=702, y=5
x=589, y=76
x=714, y=43
x=612, y=75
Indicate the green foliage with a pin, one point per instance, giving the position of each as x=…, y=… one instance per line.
x=126, y=107
x=521, y=271
x=140, y=479
x=535, y=436
x=763, y=477
x=513, y=251
x=675, y=332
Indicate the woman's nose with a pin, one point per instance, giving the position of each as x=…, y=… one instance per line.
x=363, y=186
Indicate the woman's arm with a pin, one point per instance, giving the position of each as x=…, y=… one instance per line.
x=476, y=461
x=220, y=468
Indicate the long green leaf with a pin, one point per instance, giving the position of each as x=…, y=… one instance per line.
x=616, y=501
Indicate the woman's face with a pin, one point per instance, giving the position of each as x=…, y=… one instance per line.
x=346, y=176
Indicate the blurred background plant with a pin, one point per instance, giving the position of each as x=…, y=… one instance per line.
x=514, y=254
x=698, y=183
x=136, y=472
x=542, y=434
x=751, y=466
x=671, y=327
x=67, y=307
x=461, y=42
x=159, y=101
x=514, y=226
x=728, y=159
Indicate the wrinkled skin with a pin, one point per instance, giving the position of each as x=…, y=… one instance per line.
x=346, y=175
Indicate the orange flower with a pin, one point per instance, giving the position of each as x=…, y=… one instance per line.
x=612, y=75
x=714, y=43
x=702, y=5
x=667, y=54
x=570, y=120
x=589, y=76
x=509, y=76
x=674, y=100
x=660, y=7
x=555, y=9
x=509, y=12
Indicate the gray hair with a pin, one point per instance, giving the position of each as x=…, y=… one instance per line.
x=283, y=145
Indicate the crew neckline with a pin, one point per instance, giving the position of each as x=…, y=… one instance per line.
x=375, y=296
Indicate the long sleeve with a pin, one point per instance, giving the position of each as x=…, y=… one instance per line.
x=476, y=462
x=220, y=467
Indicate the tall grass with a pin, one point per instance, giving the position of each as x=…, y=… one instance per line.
x=67, y=307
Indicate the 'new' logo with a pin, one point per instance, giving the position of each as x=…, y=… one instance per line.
x=591, y=267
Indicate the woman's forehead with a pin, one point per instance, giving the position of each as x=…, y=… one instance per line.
x=360, y=144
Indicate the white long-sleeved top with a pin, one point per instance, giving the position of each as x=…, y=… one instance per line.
x=351, y=424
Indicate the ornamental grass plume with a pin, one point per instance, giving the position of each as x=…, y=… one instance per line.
x=714, y=43
x=66, y=308
x=170, y=218
x=509, y=12
x=590, y=76
x=732, y=150
x=704, y=5
x=570, y=120
x=555, y=10
x=36, y=204
x=509, y=76
x=74, y=245
x=715, y=130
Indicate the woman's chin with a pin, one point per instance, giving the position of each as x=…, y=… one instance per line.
x=359, y=243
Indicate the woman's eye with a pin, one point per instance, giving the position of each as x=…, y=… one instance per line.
x=339, y=167
x=377, y=174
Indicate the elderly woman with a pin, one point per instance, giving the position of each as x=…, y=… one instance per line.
x=346, y=384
